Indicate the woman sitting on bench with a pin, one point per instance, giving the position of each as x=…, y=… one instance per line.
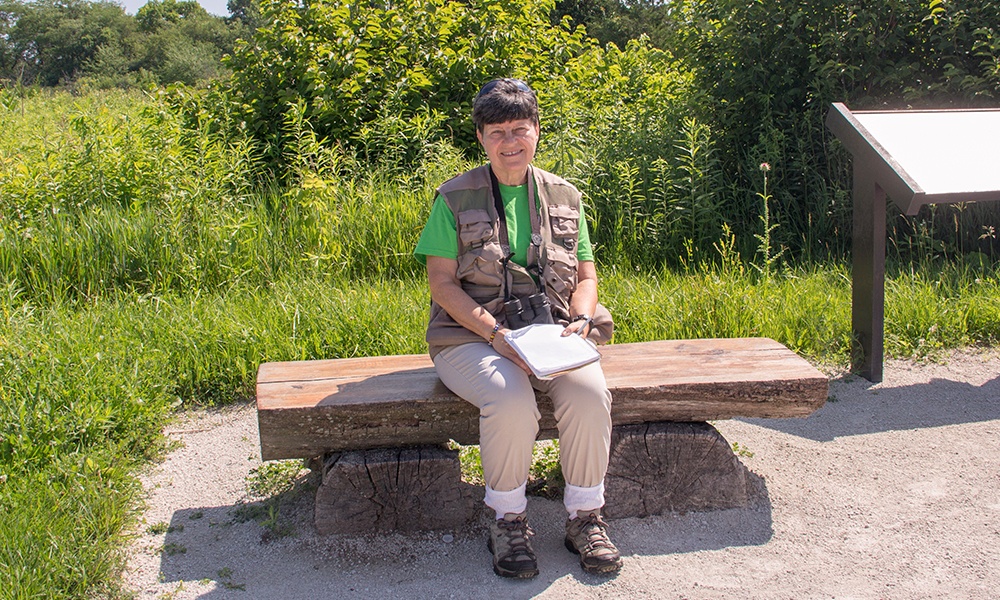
x=502, y=236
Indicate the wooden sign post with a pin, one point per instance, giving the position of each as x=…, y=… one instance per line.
x=916, y=157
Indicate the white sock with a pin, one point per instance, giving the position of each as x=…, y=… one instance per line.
x=583, y=498
x=515, y=501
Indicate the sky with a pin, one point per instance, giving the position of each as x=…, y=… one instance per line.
x=214, y=7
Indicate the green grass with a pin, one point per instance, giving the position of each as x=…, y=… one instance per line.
x=88, y=385
x=141, y=273
x=87, y=388
x=807, y=310
x=930, y=308
x=61, y=534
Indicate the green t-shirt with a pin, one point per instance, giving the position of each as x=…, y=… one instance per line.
x=440, y=237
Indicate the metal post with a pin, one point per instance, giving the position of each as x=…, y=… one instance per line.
x=868, y=275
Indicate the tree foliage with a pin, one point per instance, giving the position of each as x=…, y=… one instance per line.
x=246, y=12
x=616, y=21
x=156, y=14
x=765, y=74
x=358, y=68
x=183, y=42
x=50, y=42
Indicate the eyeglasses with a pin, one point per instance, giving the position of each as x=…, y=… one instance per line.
x=492, y=84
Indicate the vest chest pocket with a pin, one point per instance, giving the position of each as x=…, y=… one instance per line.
x=475, y=228
x=564, y=222
x=479, y=252
x=560, y=271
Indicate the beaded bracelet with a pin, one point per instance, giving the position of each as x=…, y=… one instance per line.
x=493, y=334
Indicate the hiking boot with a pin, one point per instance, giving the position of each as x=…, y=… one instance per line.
x=510, y=543
x=587, y=535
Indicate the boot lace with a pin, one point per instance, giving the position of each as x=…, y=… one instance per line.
x=518, y=534
x=596, y=530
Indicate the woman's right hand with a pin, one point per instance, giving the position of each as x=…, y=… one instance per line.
x=503, y=348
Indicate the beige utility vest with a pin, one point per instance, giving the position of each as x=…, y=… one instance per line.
x=555, y=222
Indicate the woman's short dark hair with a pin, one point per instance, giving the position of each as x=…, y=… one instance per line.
x=503, y=100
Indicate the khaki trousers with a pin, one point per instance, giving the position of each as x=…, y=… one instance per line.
x=508, y=415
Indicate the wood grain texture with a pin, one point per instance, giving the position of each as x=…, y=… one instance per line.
x=398, y=489
x=308, y=408
x=656, y=468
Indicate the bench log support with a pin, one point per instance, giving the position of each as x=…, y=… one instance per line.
x=654, y=468
x=658, y=468
x=393, y=489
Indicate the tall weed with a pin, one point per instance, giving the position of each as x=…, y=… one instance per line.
x=610, y=125
x=178, y=211
x=696, y=184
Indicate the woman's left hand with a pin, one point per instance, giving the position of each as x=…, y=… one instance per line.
x=581, y=327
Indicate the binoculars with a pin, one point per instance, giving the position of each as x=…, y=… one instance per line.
x=528, y=311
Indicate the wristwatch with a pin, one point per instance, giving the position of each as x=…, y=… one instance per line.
x=584, y=317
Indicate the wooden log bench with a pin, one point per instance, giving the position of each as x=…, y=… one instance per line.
x=381, y=426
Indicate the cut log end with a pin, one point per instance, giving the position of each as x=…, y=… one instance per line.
x=398, y=489
x=658, y=468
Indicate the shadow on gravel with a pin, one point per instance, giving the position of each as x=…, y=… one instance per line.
x=699, y=531
x=251, y=551
x=858, y=407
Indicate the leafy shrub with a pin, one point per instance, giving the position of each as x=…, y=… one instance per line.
x=616, y=124
x=356, y=66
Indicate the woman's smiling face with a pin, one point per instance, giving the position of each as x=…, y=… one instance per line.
x=510, y=147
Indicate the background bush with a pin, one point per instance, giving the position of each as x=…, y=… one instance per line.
x=363, y=70
x=391, y=84
x=665, y=129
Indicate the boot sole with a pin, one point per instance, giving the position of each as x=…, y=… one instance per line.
x=515, y=574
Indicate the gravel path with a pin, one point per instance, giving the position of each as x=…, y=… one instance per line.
x=888, y=491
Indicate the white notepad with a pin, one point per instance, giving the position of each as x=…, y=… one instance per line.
x=548, y=352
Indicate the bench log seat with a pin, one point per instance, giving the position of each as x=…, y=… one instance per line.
x=380, y=425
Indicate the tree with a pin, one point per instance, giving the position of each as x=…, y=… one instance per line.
x=156, y=14
x=7, y=55
x=245, y=12
x=58, y=41
x=51, y=40
x=183, y=43
x=618, y=21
